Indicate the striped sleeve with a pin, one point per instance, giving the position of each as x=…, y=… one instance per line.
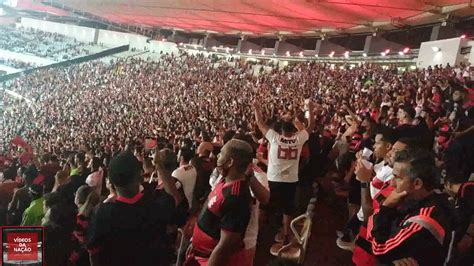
x=390, y=241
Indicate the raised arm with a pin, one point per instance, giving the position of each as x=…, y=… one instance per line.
x=259, y=119
x=311, y=122
x=165, y=176
x=353, y=116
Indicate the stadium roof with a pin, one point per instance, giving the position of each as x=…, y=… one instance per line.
x=273, y=17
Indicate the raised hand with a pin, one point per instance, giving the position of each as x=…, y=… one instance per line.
x=394, y=199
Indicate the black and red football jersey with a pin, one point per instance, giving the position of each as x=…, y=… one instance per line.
x=228, y=208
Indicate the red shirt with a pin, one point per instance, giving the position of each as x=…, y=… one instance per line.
x=228, y=208
x=263, y=149
x=305, y=153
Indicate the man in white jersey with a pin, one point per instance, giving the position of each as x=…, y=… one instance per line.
x=283, y=161
x=373, y=178
x=186, y=174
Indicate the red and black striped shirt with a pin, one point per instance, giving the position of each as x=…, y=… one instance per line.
x=228, y=208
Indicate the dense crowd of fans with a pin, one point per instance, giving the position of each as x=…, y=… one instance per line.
x=104, y=146
x=16, y=63
x=42, y=44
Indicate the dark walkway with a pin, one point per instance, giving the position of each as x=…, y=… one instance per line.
x=322, y=250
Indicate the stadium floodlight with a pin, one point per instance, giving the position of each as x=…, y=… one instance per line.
x=435, y=49
x=387, y=51
x=406, y=50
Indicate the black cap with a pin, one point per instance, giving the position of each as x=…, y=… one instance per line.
x=124, y=168
x=36, y=190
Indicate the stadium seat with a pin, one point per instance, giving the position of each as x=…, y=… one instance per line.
x=301, y=229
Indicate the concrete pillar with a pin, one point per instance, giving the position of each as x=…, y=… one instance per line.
x=204, y=42
x=242, y=39
x=434, y=33
x=368, y=41
x=96, y=35
x=318, y=47
x=172, y=36
x=280, y=40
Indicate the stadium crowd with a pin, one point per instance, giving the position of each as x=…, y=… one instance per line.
x=41, y=44
x=101, y=147
x=16, y=63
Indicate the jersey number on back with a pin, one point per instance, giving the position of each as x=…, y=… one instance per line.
x=287, y=153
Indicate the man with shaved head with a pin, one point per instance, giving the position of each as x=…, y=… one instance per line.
x=218, y=234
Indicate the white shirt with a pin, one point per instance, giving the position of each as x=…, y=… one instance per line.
x=250, y=238
x=284, y=156
x=187, y=175
x=95, y=180
x=383, y=174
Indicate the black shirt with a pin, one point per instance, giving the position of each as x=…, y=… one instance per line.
x=408, y=131
x=69, y=189
x=132, y=231
x=464, y=209
x=417, y=229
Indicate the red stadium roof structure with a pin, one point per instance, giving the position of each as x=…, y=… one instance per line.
x=272, y=17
